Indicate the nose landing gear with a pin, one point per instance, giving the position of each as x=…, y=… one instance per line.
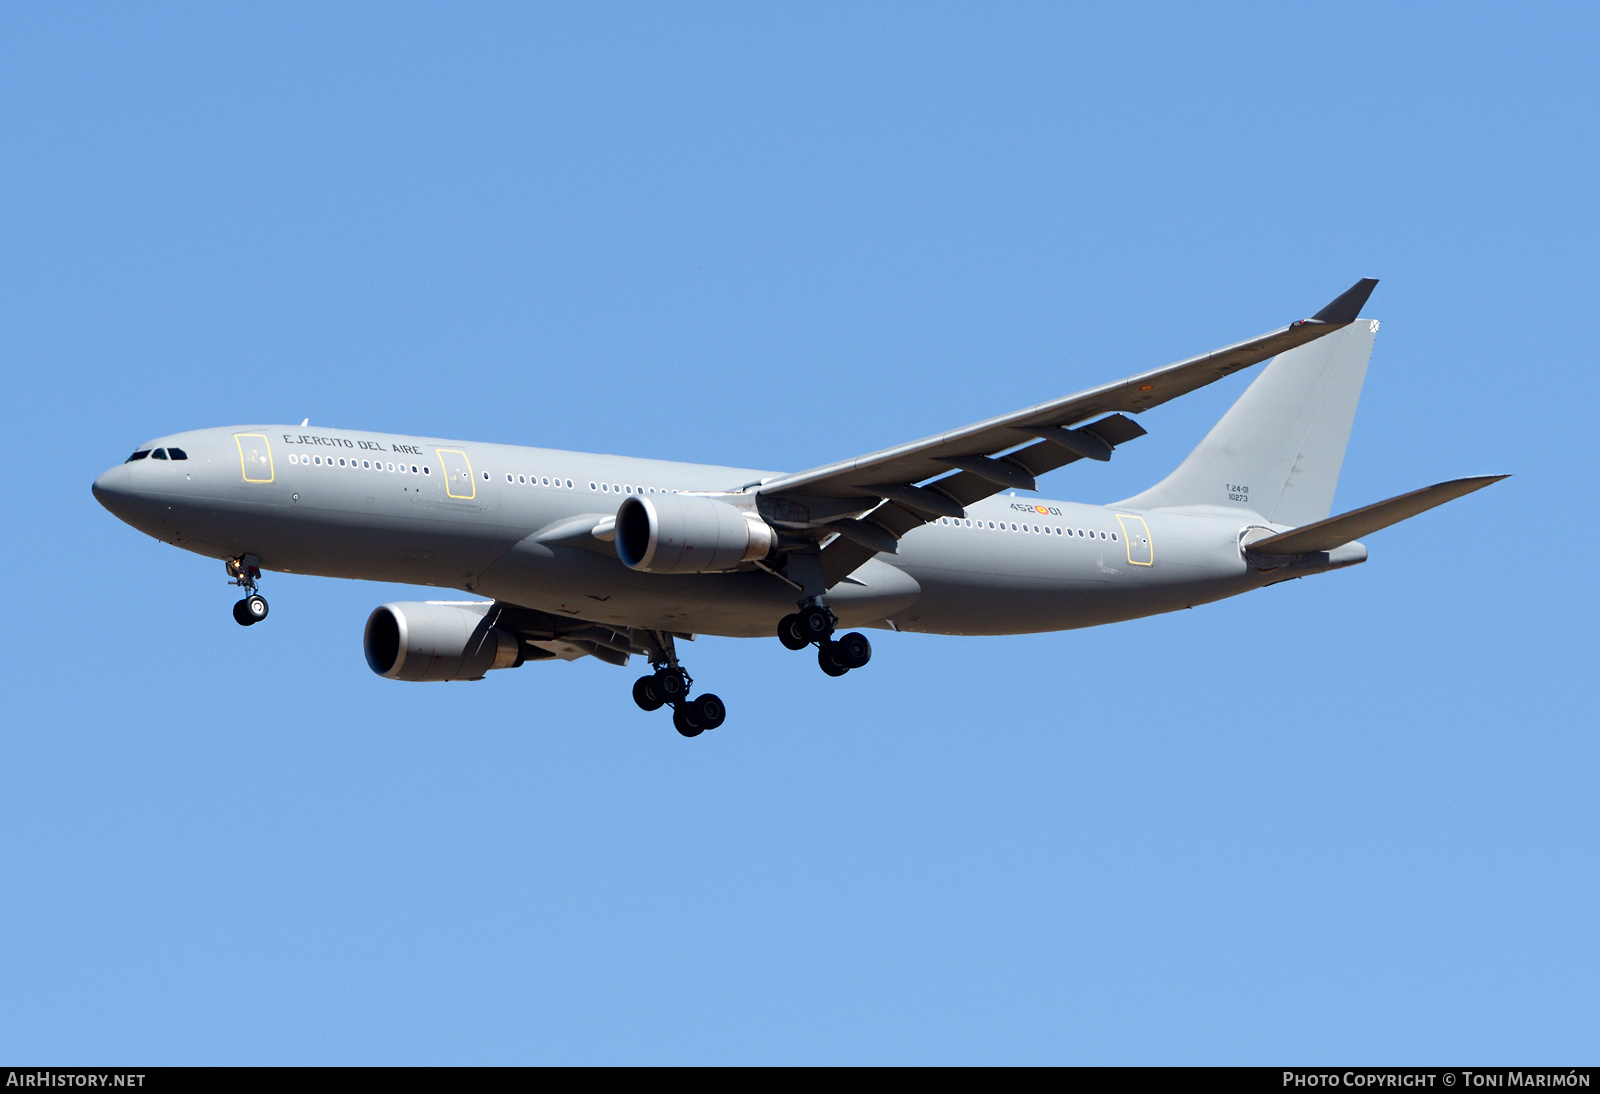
x=243, y=572
x=251, y=610
x=815, y=623
x=670, y=684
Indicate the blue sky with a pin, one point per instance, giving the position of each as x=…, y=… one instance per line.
x=1348, y=818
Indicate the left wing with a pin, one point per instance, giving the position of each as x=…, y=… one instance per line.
x=873, y=500
x=546, y=636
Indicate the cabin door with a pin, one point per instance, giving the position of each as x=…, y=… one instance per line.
x=1136, y=533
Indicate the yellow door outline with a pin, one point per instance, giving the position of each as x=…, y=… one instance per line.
x=450, y=473
x=1135, y=528
x=255, y=456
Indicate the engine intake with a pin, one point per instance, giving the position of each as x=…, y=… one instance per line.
x=686, y=534
x=437, y=640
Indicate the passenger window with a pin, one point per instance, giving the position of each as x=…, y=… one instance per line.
x=425, y=470
x=139, y=455
x=177, y=453
x=159, y=454
x=569, y=484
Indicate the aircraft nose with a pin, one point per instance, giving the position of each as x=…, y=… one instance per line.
x=113, y=490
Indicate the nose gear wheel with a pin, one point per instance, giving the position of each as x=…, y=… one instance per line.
x=244, y=571
x=251, y=610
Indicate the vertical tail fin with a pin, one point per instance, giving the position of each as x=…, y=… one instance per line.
x=1278, y=450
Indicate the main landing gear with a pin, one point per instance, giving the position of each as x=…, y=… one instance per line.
x=815, y=623
x=243, y=572
x=669, y=685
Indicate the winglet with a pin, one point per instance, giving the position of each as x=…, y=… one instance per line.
x=1348, y=304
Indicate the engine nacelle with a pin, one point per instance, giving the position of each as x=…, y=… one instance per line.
x=438, y=640
x=686, y=534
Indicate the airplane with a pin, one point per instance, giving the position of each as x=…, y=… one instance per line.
x=572, y=554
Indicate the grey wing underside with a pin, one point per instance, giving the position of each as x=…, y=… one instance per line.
x=546, y=636
x=873, y=500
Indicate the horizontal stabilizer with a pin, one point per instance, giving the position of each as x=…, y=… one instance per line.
x=1325, y=535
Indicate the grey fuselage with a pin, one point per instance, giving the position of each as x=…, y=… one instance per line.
x=351, y=504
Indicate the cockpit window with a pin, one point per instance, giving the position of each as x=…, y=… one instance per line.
x=159, y=454
x=177, y=453
x=139, y=455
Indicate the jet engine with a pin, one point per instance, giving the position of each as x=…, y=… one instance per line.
x=687, y=534
x=438, y=640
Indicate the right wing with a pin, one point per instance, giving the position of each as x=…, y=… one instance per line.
x=873, y=500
